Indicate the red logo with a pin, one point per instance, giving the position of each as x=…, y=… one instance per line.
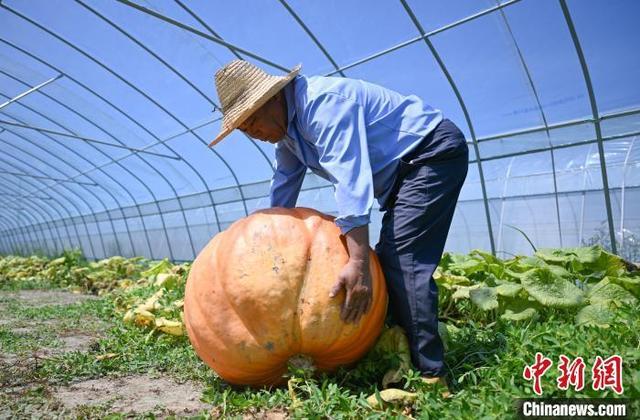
x=608, y=374
x=571, y=373
x=536, y=370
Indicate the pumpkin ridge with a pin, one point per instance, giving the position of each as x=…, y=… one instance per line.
x=367, y=320
x=226, y=294
x=297, y=330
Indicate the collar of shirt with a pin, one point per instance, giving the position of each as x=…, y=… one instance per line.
x=290, y=96
x=292, y=136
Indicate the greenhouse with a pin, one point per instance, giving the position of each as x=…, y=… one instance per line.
x=108, y=109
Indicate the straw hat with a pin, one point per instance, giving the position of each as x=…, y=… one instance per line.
x=242, y=89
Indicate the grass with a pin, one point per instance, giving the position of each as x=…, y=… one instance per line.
x=486, y=362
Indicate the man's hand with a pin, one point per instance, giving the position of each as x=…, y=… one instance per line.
x=355, y=280
x=355, y=277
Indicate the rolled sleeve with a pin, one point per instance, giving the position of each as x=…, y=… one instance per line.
x=287, y=178
x=337, y=123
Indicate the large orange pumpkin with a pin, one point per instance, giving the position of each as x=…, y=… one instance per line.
x=258, y=296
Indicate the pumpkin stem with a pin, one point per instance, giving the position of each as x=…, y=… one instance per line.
x=301, y=365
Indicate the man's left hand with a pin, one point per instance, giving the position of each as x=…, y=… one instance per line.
x=356, y=281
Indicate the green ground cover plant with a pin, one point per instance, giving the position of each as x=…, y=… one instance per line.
x=496, y=315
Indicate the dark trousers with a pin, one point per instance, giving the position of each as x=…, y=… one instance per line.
x=414, y=230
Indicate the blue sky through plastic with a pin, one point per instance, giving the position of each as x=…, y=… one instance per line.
x=135, y=81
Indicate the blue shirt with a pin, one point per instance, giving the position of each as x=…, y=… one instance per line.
x=351, y=133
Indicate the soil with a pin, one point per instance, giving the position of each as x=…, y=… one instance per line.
x=38, y=298
x=134, y=394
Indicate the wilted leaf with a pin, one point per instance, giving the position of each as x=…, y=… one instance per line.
x=152, y=303
x=394, y=341
x=486, y=298
x=142, y=317
x=462, y=292
x=169, y=327
x=551, y=289
x=449, y=281
x=161, y=267
x=106, y=356
x=168, y=281
x=391, y=396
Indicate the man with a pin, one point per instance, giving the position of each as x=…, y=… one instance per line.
x=369, y=142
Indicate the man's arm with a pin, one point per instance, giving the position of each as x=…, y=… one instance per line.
x=287, y=178
x=337, y=123
x=355, y=277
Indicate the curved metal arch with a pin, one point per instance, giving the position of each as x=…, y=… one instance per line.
x=164, y=228
x=43, y=219
x=57, y=169
x=623, y=190
x=201, y=34
x=105, y=67
x=596, y=121
x=6, y=235
x=544, y=119
x=114, y=107
x=17, y=242
x=29, y=241
x=167, y=65
x=47, y=222
x=234, y=52
x=4, y=239
x=74, y=168
x=426, y=35
x=25, y=227
x=467, y=117
x=82, y=157
x=182, y=77
x=65, y=197
x=171, y=68
x=36, y=209
x=312, y=36
x=21, y=240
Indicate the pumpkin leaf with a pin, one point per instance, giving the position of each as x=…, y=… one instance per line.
x=465, y=264
x=551, y=287
x=508, y=289
x=606, y=290
x=462, y=292
x=523, y=315
x=597, y=314
x=486, y=298
x=632, y=284
x=394, y=341
x=449, y=281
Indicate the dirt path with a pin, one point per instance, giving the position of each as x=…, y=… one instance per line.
x=26, y=343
